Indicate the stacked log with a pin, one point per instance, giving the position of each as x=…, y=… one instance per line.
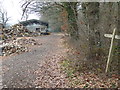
x=17, y=30
x=10, y=49
x=26, y=41
x=17, y=46
x=14, y=41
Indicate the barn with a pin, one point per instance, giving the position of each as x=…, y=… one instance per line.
x=35, y=25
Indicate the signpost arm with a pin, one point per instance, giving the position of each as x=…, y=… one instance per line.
x=110, y=50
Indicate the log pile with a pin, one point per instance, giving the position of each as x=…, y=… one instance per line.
x=17, y=30
x=14, y=40
x=25, y=41
x=17, y=46
x=10, y=49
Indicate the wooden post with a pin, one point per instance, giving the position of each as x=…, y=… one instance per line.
x=110, y=50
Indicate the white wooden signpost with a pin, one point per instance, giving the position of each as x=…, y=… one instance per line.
x=113, y=36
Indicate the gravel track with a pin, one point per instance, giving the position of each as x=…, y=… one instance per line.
x=19, y=70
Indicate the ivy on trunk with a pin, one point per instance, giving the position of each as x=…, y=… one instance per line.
x=71, y=8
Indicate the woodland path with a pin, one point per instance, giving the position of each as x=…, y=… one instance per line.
x=38, y=67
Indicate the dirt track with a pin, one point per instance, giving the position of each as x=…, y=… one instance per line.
x=22, y=71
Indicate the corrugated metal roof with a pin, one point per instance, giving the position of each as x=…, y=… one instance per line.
x=34, y=21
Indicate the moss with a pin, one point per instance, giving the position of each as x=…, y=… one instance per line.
x=67, y=69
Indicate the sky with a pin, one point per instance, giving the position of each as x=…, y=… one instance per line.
x=14, y=10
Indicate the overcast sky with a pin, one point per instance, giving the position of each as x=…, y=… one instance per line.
x=14, y=10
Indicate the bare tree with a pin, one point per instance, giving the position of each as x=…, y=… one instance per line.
x=70, y=7
x=4, y=17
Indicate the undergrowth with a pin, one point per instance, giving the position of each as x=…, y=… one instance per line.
x=76, y=69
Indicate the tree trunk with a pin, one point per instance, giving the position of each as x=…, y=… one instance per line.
x=91, y=13
x=118, y=28
x=71, y=8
